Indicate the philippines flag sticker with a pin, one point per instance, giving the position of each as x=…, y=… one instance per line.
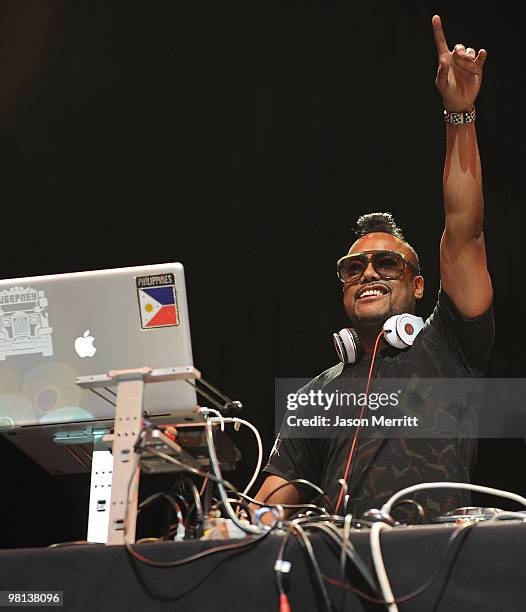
x=157, y=301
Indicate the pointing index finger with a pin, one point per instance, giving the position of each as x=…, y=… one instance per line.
x=440, y=39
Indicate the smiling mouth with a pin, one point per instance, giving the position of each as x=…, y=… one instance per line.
x=373, y=293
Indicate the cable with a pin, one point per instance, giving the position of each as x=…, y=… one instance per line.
x=186, y=467
x=282, y=567
x=217, y=472
x=448, y=575
x=362, y=412
x=346, y=541
x=279, y=565
x=314, y=562
x=403, y=598
x=219, y=416
x=195, y=494
x=206, y=475
x=234, y=420
x=203, y=486
x=239, y=502
x=419, y=508
x=147, y=540
x=386, y=508
x=155, y=497
x=210, y=551
x=307, y=507
x=72, y=543
x=216, y=478
x=379, y=566
x=260, y=450
x=230, y=486
x=150, y=499
x=182, y=484
x=292, y=482
x=331, y=531
x=183, y=504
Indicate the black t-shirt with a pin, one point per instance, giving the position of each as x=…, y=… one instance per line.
x=449, y=346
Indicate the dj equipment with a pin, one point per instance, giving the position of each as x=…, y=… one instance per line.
x=56, y=328
x=400, y=331
x=469, y=513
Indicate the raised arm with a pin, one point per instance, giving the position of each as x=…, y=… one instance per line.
x=463, y=268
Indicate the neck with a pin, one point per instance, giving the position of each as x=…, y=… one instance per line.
x=368, y=333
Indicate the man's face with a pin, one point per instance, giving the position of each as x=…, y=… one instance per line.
x=396, y=296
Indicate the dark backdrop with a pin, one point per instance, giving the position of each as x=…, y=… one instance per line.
x=243, y=139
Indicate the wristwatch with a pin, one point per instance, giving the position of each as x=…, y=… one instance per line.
x=460, y=118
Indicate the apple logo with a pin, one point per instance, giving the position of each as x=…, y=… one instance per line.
x=84, y=345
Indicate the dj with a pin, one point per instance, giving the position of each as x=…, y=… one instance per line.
x=381, y=277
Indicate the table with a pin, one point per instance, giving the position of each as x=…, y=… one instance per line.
x=488, y=573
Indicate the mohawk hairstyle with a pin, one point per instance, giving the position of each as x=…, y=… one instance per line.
x=378, y=222
x=382, y=222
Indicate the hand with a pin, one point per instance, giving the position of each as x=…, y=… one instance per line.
x=459, y=73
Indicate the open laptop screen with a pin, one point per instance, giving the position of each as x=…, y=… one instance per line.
x=56, y=328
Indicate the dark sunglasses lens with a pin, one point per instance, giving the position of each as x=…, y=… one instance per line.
x=388, y=265
x=351, y=269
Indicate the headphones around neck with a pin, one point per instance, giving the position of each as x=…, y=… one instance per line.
x=400, y=331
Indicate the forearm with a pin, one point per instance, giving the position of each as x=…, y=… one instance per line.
x=276, y=490
x=463, y=268
x=463, y=197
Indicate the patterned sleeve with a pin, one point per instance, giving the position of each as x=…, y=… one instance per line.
x=292, y=457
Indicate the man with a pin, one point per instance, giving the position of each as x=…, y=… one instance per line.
x=454, y=343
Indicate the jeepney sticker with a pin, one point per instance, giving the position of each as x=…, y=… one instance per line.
x=24, y=323
x=157, y=301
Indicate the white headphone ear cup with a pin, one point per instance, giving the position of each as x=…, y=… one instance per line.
x=348, y=345
x=401, y=330
x=391, y=332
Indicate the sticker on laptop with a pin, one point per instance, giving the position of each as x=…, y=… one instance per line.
x=24, y=323
x=157, y=300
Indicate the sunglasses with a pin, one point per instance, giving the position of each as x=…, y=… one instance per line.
x=389, y=265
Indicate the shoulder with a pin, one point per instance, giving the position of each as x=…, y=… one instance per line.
x=448, y=333
x=448, y=319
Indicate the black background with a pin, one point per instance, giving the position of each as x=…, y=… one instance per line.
x=243, y=139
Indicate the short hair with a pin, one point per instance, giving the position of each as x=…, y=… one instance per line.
x=385, y=223
x=378, y=222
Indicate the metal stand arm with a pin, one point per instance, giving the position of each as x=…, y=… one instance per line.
x=106, y=522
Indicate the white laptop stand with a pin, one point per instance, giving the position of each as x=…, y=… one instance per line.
x=115, y=477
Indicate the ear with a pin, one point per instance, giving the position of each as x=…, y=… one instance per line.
x=418, y=287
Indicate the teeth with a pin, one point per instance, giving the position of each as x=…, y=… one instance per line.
x=371, y=292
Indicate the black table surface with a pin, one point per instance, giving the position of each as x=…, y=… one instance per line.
x=484, y=570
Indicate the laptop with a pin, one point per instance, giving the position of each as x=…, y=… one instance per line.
x=56, y=328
